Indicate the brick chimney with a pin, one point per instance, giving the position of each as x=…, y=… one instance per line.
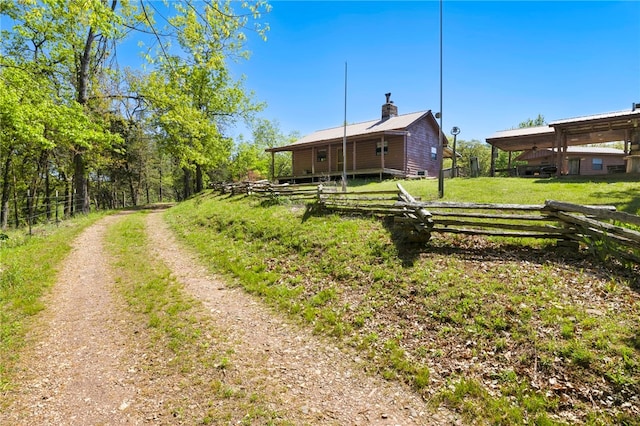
x=389, y=109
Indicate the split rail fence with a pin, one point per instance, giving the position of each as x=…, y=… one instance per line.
x=600, y=227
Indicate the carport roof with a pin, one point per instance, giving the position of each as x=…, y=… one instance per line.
x=599, y=128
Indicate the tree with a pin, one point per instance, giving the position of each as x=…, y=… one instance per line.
x=250, y=159
x=538, y=121
x=192, y=96
x=36, y=124
x=477, y=149
x=67, y=47
x=67, y=43
x=22, y=132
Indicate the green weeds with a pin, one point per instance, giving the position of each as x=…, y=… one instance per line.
x=415, y=315
x=179, y=330
x=28, y=268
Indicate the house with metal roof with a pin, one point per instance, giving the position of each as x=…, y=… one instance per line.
x=581, y=160
x=392, y=146
x=560, y=135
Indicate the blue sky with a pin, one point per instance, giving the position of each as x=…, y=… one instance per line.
x=504, y=61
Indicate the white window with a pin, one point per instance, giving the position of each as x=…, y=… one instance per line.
x=434, y=153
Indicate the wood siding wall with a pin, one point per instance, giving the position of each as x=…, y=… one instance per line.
x=302, y=162
x=423, y=136
x=586, y=162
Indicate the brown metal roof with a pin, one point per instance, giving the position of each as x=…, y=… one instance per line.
x=599, y=128
x=392, y=125
x=523, y=139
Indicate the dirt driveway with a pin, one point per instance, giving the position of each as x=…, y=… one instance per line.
x=85, y=364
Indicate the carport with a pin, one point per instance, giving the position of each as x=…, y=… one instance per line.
x=558, y=135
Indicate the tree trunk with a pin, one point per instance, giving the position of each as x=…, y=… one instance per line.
x=15, y=200
x=68, y=198
x=4, y=204
x=199, y=184
x=160, y=189
x=47, y=192
x=132, y=189
x=146, y=190
x=81, y=194
x=133, y=192
x=186, y=190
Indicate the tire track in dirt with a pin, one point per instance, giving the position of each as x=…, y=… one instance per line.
x=309, y=378
x=77, y=371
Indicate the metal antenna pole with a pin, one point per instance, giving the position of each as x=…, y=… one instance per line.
x=440, y=140
x=344, y=138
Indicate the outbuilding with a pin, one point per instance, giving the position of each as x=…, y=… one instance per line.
x=581, y=161
x=558, y=136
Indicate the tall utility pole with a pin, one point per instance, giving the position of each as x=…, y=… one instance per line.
x=344, y=137
x=440, y=140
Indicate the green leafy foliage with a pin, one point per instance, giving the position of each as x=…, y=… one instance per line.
x=250, y=161
x=62, y=93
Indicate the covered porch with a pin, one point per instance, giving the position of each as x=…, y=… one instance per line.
x=381, y=155
x=379, y=173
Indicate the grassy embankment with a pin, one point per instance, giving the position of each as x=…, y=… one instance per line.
x=503, y=332
x=28, y=266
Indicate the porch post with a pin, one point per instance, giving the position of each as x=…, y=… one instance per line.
x=494, y=154
x=406, y=165
x=273, y=166
x=633, y=159
x=558, y=143
x=381, y=156
x=354, y=159
x=565, y=161
x=313, y=160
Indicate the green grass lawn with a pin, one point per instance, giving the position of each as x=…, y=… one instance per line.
x=500, y=331
x=621, y=192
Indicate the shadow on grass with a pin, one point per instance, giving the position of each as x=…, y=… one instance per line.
x=410, y=247
x=312, y=210
x=154, y=206
x=484, y=249
x=629, y=200
x=408, y=244
x=622, y=177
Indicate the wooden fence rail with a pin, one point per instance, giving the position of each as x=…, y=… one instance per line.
x=569, y=224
